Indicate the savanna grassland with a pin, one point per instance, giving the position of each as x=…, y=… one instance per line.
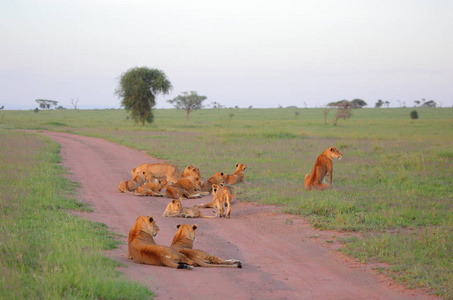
x=393, y=185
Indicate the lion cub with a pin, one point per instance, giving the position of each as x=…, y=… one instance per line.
x=183, y=243
x=151, y=188
x=217, y=178
x=238, y=175
x=221, y=198
x=131, y=185
x=175, y=209
x=323, y=166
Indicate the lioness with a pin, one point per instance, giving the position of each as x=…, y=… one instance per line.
x=129, y=186
x=191, y=170
x=185, y=187
x=151, y=188
x=238, y=175
x=170, y=172
x=323, y=166
x=175, y=209
x=217, y=178
x=143, y=250
x=183, y=242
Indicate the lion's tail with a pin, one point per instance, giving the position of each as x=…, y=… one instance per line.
x=211, y=217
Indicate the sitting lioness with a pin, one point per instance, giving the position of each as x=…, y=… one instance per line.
x=129, y=186
x=217, y=178
x=175, y=209
x=186, y=187
x=170, y=172
x=143, y=250
x=237, y=176
x=183, y=242
x=323, y=166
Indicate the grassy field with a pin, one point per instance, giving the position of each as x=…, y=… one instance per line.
x=393, y=184
x=45, y=252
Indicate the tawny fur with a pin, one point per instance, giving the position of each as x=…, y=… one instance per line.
x=183, y=242
x=151, y=188
x=129, y=186
x=143, y=250
x=217, y=178
x=187, y=187
x=176, y=209
x=323, y=167
x=191, y=170
x=237, y=176
x=160, y=170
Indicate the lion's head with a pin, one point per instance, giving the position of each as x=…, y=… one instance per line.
x=190, y=170
x=240, y=167
x=334, y=153
x=147, y=225
x=185, y=235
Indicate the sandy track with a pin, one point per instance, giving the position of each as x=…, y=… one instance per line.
x=280, y=261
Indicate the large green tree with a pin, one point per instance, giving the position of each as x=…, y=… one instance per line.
x=138, y=88
x=188, y=101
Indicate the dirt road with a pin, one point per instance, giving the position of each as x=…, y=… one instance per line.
x=282, y=256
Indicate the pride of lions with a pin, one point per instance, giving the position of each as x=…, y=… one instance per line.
x=151, y=179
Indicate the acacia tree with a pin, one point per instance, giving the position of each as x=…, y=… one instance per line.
x=139, y=87
x=188, y=101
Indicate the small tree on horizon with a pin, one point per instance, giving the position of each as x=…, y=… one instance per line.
x=188, y=101
x=139, y=87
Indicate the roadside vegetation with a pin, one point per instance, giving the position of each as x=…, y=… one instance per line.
x=46, y=252
x=393, y=185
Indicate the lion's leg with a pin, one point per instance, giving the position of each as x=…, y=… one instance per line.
x=207, y=205
x=212, y=261
x=228, y=202
x=329, y=177
x=182, y=264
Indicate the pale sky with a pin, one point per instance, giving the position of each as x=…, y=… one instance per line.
x=238, y=53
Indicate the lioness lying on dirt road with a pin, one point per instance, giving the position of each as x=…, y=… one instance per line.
x=183, y=243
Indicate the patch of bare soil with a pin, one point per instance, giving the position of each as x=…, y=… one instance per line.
x=281, y=259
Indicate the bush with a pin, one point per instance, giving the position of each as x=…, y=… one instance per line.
x=414, y=114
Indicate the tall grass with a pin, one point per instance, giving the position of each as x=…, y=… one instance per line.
x=393, y=184
x=45, y=252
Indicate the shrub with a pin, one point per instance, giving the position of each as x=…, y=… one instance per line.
x=414, y=114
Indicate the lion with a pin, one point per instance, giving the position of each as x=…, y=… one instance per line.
x=175, y=209
x=323, y=166
x=225, y=189
x=143, y=250
x=183, y=243
x=217, y=178
x=129, y=186
x=170, y=172
x=238, y=175
x=191, y=170
x=151, y=188
x=185, y=187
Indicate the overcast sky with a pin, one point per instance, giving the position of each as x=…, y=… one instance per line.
x=238, y=53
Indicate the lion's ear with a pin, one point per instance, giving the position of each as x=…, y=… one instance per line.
x=133, y=170
x=173, y=201
x=179, y=225
x=237, y=165
x=194, y=226
x=221, y=173
x=151, y=219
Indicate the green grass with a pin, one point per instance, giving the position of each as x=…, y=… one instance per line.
x=393, y=184
x=45, y=252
